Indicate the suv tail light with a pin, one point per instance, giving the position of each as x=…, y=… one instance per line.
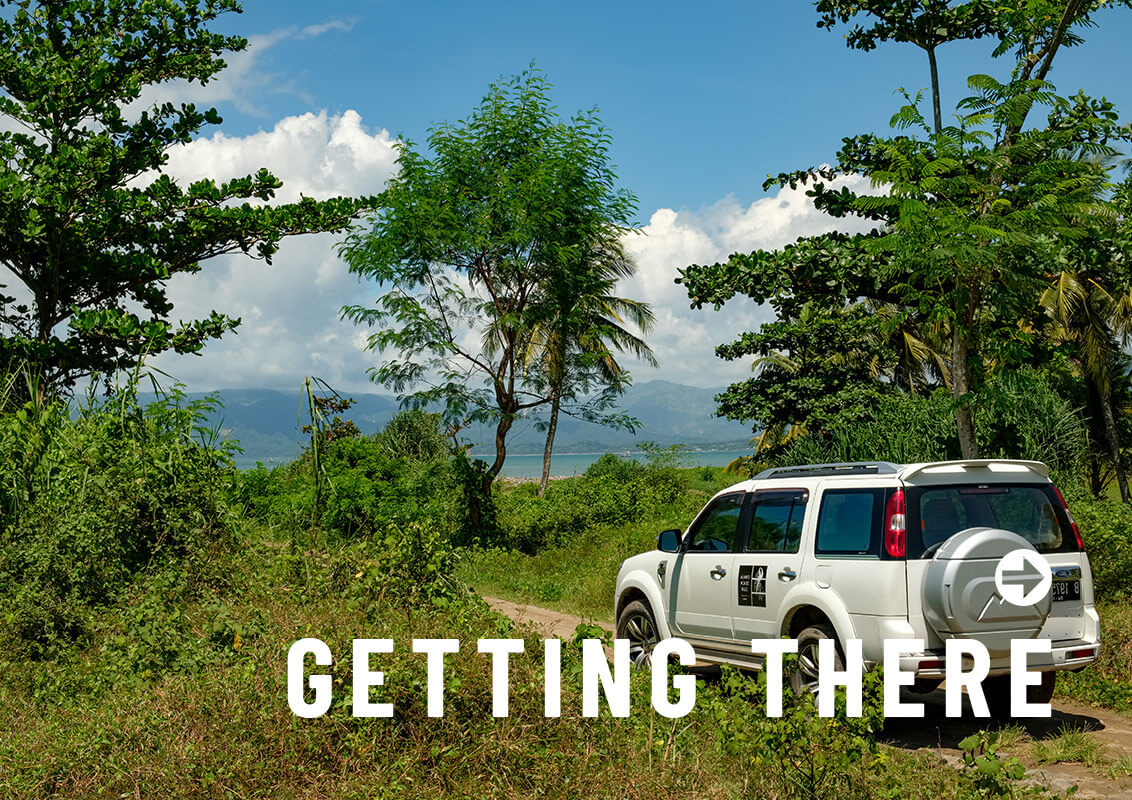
x=1069, y=516
x=896, y=526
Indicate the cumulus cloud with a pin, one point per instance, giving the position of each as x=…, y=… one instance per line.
x=313, y=154
x=685, y=339
x=289, y=310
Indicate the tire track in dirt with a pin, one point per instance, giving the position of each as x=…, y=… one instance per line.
x=936, y=732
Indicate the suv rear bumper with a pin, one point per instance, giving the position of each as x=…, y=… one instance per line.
x=1068, y=655
x=1065, y=654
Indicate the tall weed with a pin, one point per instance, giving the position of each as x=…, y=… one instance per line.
x=91, y=503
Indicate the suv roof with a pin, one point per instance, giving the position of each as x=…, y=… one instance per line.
x=905, y=471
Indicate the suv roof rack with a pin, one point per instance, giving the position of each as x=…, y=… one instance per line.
x=821, y=470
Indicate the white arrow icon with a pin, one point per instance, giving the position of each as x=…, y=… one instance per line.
x=1017, y=570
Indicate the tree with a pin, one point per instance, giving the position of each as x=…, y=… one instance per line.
x=90, y=226
x=965, y=214
x=927, y=24
x=471, y=245
x=584, y=323
x=820, y=370
x=1089, y=305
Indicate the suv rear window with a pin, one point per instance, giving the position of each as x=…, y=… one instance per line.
x=1031, y=511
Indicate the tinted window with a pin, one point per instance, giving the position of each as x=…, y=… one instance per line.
x=847, y=522
x=714, y=530
x=1028, y=511
x=776, y=524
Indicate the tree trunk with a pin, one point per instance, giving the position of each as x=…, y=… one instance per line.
x=549, y=449
x=1112, y=438
x=938, y=117
x=496, y=467
x=960, y=379
x=960, y=376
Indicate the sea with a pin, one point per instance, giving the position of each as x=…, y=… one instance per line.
x=568, y=464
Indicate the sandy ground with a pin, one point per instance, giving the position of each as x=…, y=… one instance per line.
x=548, y=623
x=936, y=732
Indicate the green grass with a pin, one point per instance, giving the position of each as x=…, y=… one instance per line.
x=578, y=578
x=1120, y=767
x=224, y=729
x=1073, y=745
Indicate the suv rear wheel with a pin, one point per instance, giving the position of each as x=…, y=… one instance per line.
x=804, y=678
x=635, y=623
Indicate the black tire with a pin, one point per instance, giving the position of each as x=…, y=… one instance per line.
x=804, y=677
x=996, y=690
x=636, y=623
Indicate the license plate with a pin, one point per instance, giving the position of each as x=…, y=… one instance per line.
x=1066, y=590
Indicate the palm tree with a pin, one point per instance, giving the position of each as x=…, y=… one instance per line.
x=580, y=324
x=1097, y=320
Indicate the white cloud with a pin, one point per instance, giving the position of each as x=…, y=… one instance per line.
x=313, y=154
x=685, y=339
x=289, y=310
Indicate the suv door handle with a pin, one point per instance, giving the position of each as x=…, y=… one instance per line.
x=718, y=572
x=787, y=575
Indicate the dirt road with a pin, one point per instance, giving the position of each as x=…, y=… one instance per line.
x=936, y=732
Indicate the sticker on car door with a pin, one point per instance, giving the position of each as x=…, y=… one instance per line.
x=752, y=585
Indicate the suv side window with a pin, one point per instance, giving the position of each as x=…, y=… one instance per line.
x=848, y=522
x=776, y=525
x=714, y=531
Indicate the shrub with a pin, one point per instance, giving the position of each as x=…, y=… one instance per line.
x=603, y=497
x=91, y=503
x=610, y=467
x=1106, y=527
x=1019, y=415
x=799, y=754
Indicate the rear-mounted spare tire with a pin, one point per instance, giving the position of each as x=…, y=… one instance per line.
x=960, y=599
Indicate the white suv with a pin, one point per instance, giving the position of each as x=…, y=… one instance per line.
x=868, y=551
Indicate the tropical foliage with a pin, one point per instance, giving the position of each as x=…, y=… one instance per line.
x=999, y=243
x=499, y=255
x=92, y=227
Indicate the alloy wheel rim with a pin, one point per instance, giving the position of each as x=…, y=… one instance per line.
x=642, y=636
x=808, y=668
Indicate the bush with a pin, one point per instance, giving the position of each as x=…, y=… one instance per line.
x=1019, y=415
x=612, y=492
x=610, y=467
x=799, y=754
x=89, y=504
x=1106, y=528
x=405, y=473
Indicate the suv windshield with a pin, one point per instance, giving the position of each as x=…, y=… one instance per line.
x=1029, y=511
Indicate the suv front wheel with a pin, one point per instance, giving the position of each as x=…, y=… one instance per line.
x=804, y=677
x=635, y=623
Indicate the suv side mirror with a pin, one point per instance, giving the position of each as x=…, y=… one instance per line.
x=668, y=541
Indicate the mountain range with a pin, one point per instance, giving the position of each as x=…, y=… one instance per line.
x=267, y=422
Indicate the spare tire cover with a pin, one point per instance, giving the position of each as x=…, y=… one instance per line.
x=960, y=599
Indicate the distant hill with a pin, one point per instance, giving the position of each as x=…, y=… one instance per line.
x=266, y=423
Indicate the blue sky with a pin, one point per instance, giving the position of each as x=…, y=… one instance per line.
x=702, y=103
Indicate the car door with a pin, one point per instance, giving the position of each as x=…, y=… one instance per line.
x=702, y=577
x=768, y=563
